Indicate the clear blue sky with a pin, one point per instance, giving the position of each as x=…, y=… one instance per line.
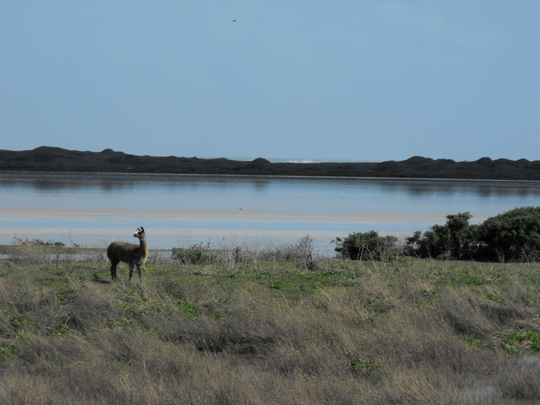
x=353, y=80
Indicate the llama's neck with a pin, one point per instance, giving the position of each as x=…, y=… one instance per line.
x=144, y=246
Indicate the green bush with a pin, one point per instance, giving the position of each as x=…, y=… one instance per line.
x=367, y=246
x=454, y=240
x=512, y=235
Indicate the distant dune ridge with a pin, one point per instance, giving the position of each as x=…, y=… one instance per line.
x=47, y=158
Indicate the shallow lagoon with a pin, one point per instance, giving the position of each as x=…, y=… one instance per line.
x=93, y=208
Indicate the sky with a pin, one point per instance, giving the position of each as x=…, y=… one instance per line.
x=296, y=79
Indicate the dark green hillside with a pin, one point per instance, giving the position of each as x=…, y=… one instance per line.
x=57, y=159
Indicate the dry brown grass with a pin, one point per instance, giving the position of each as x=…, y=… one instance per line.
x=408, y=332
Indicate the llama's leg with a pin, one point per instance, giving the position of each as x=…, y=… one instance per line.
x=131, y=268
x=139, y=271
x=113, y=270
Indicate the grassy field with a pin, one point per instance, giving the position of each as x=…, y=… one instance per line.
x=257, y=329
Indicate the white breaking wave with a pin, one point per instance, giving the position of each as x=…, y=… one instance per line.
x=295, y=160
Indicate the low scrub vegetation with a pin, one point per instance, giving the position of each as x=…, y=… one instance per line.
x=511, y=236
x=236, y=326
x=367, y=246
x=238, y=256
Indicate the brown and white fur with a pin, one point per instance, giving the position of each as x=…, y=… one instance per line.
x=130, y=253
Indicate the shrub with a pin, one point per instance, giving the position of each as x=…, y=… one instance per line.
x=303, y=249
x=454, y=240
x=366, y=246
x=512, y=235
x=195, y=254
x=300, y=252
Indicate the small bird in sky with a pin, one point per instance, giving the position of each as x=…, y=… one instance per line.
x=233, y=20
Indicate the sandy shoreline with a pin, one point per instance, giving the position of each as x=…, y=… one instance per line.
x=165, y=239
x=190, y=214
x=179, y=227
x=96, y=227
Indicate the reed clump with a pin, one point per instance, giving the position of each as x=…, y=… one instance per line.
x=269, y=331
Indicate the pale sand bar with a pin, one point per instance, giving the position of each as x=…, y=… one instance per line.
x=174, y=227
x=18, y=213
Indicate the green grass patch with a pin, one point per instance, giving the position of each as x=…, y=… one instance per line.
x=520, y=341
x=189, y=309
x=365, y=368
x=484, y=343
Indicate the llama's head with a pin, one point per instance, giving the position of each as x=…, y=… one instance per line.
x=140, y=233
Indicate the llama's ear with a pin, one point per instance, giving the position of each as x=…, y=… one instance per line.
x=142, y=229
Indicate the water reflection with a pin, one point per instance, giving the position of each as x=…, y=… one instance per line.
x=484, y=189
x=111, y=182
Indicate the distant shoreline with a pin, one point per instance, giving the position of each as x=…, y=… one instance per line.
x=49, y=159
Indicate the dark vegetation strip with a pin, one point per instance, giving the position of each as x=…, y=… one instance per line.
x=57, y=159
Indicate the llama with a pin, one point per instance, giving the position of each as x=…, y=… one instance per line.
x=130, y=253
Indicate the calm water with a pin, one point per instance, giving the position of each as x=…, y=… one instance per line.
x=92, y=209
